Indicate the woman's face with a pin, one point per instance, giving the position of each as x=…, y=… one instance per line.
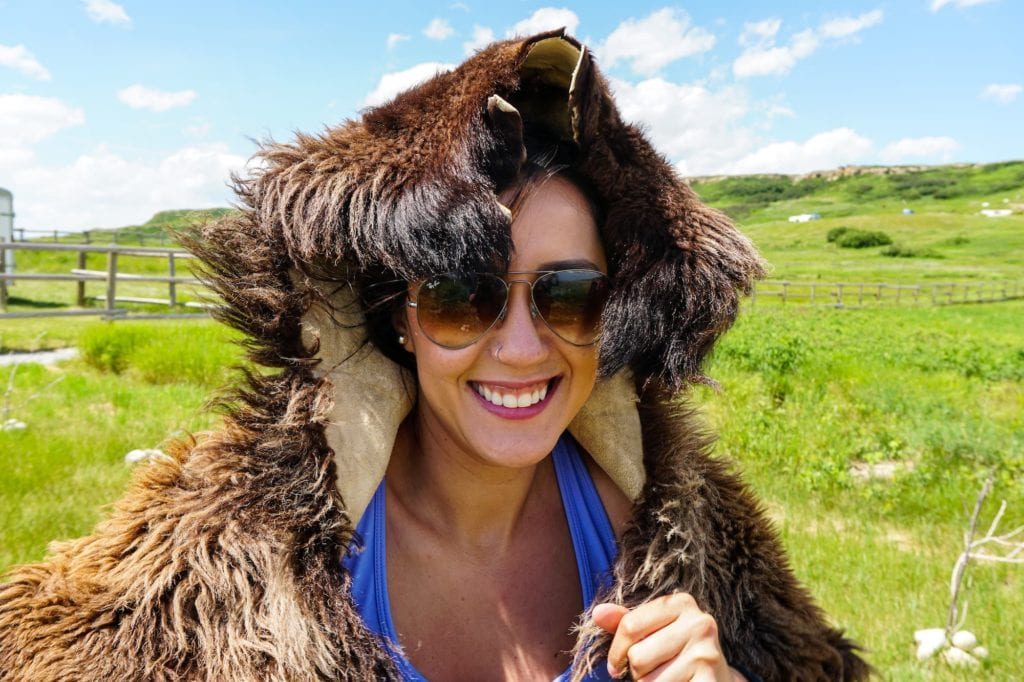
x=554, y=230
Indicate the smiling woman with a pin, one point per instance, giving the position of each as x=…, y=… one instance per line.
x=485, y=300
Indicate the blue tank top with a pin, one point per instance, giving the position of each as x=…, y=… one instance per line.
x=592, y=539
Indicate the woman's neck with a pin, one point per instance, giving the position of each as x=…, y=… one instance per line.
x=474, y=505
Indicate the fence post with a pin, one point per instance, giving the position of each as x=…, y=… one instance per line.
x=80, y=300
x=88, y=238
x=111, y=281
x=860, y=295
x=785, y=286
x=879, y=296
x=3, y=280
x=172, y=293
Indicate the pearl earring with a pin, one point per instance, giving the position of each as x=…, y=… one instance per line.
x=401, y=339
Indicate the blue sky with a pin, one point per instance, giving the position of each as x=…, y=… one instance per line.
x=110, y=111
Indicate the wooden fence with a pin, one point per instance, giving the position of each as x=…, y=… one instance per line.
x=91, y=237
x=782, y=292
x=861, y=294
x=110, y=275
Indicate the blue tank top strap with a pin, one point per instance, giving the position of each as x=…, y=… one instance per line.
x=592, y=538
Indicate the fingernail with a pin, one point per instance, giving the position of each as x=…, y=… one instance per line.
x=615, y=674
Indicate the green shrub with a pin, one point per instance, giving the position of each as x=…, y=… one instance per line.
x=835, y=233
x=899, y=251
x=163, y=352
x=108, y=346
x=860, y=239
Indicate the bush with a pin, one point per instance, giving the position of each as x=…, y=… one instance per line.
x=835, y=233
x=899, y=251
x=163, y=353
x=860, y=239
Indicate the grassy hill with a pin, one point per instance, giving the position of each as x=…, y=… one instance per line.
x=945, y=239
x=151, y=231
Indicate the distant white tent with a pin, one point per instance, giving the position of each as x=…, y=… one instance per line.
x=804, y=217
x=996, y=212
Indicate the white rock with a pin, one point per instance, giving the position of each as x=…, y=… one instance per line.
x=12, y=425
x=959, y=658
x=929, y=635
x=965, y=639
x=979, y=652
x=150, y=454
x=926, y=650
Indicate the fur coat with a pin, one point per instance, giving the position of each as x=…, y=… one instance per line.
x=222, y=562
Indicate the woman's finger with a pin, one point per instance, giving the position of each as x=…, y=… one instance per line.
x=701, y=661
x=658, y=648
x=642, y=621
x=607, y=616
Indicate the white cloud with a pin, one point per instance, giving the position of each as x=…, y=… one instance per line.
x=546, y=19
x=701, y=130
x=438, y=29
x=103, y=189
x=107, y=12
x=1003, y=93
x=140, y=97
x=939, y=4
x=459, y=5
x=395, y=38
x=762, y=57
x=393, y=83
x=650, y=43
x=847, y=26
x=23, y=61
x=27, y=119
x=833, y=148
x=757, y=33
x=482, y=36
x=920, y=149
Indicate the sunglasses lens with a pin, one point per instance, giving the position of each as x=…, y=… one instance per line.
x=454, y=310
x=571, y=302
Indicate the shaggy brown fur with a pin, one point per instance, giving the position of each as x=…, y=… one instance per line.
x=223, y=562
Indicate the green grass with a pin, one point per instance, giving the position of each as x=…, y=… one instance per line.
x=805, y=392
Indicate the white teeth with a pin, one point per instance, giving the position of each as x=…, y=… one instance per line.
x=511, y=399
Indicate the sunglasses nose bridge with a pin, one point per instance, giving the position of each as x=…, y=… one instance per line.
x=534, y=313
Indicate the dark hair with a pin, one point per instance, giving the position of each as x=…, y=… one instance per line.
x=383, y=294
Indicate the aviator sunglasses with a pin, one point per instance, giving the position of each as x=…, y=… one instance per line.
x=455, y=310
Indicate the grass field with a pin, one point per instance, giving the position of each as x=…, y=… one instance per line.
x=805, y=394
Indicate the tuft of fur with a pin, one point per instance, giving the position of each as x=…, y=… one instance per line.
x=697, y=528
x=223, y=563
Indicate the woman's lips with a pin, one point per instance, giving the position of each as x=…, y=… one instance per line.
x=518, y=412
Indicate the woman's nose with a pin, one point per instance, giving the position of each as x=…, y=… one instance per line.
x=519, y=333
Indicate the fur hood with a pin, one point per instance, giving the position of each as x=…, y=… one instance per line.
x=222, y=562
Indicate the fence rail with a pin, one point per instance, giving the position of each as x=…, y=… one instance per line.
x=90, y=236
x=111, y=276
x=861, y=294
x=783, y=292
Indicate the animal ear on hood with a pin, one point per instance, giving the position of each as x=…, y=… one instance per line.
x=678, y=265
x=410, y=188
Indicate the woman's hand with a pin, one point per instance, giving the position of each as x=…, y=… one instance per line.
x=668, y=638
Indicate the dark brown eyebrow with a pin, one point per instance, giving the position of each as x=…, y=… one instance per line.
x=571, y=264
